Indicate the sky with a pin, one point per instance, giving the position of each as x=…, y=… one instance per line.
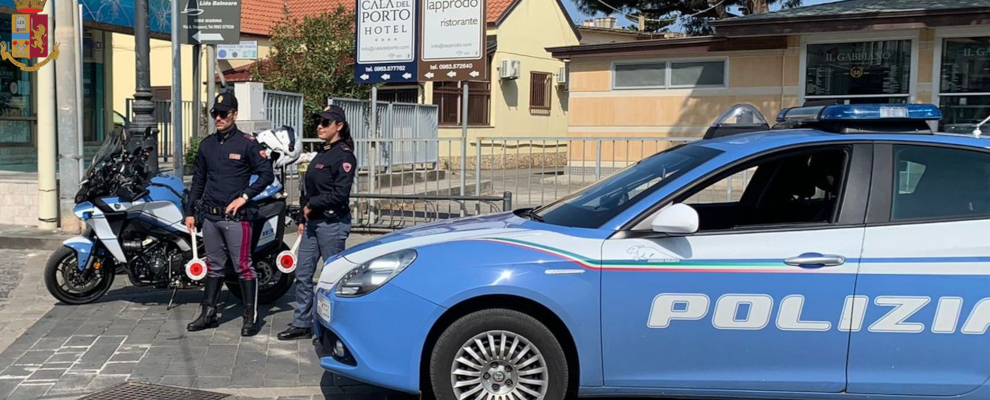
x=579, y=17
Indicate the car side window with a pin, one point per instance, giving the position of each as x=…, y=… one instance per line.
x=796, y=187
x=939, y=183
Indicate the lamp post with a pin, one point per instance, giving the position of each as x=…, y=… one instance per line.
x=142, y=130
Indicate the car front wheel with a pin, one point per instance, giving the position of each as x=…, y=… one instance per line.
x=498, y=354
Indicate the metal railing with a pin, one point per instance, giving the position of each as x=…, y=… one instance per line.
x=163, y=115
x=419, y=187
x=394, y=121
x=284, y=108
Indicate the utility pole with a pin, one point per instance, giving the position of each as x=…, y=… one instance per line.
x=142, y=130
x=69, y=152
x=176, y=92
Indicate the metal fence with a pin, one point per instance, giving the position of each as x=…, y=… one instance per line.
x=284, y=108
x=411, y=122
x=500, y=174
x=163, y=115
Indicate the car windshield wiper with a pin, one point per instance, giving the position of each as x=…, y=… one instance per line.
x=529, y=212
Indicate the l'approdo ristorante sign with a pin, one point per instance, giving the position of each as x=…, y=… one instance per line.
x=391, y=33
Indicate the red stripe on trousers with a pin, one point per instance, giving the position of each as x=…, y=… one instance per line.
x=246, y=250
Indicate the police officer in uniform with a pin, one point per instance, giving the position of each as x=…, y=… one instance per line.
x=326, y=220
x=220, y=200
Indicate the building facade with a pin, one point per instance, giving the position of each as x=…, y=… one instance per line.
x=854, y=51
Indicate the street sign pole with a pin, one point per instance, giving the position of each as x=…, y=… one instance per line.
x=464, y=139
x=177, y=153
x=211, y=71
x=197, y=113
x=373, y=135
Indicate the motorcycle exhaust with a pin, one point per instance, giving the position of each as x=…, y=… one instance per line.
x=195, y=268
x=286, y=260
x=131, y=246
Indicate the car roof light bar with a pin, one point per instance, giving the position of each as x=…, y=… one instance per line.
x=861, y=112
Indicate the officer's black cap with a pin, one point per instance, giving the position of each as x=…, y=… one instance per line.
x=332, y=113
x=225, y=102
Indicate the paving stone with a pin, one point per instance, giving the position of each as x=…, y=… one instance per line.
x=178, y=380
x=124, y=356
x=47, y=373
x=121, y=368
x=211, y=382
x=49, y=343
x=281, y=380
x=103, y=381
x=74, y=381
x=7, y=387
x=17, y=371
x=34, y=357
x=30, y=392
x=80, y=341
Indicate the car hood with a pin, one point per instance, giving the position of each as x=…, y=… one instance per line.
x=437, y=232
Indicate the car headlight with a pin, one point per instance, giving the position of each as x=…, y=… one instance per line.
x=373, y=274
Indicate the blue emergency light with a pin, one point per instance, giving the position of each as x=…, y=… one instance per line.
x=861, y=112
x=861, y=118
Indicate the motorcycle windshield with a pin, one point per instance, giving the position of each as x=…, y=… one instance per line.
x=113, y=144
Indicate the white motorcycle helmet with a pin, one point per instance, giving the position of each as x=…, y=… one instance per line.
x=281, y=144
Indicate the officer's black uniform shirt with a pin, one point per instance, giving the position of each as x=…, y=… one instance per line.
x=223, y=170
x=328, y=181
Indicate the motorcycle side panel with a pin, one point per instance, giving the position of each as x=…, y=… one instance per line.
x=101, y=227
x=268, y=232
x=83, y=248
x=162, y=213
x=164, y=194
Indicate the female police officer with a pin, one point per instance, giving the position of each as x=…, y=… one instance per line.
x=326, y=211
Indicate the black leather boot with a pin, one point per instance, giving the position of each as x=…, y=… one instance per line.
x=249, y=289
x=208, y=317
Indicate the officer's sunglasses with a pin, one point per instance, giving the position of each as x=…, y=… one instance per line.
x=222, y=114
x=325, y=122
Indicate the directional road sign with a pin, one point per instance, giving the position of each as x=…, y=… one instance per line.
x=386, y=41
x=452, y=41
x=211, y=21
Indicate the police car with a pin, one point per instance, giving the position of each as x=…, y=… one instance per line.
x=843, y=253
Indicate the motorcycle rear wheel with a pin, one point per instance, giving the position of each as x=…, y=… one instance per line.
x=272, y=284
x=62, y=263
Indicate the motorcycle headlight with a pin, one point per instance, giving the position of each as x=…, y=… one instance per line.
x=371, y=275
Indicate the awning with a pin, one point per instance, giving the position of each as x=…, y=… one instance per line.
x=118, y=15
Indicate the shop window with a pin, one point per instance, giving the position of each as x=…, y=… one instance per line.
x=670, y=74
x=964, y=89
x=859, y=72
x=447, y=97
x=539, y=92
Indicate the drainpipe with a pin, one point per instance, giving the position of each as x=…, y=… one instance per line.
x=47, y=155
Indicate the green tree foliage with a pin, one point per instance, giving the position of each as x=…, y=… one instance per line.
x=313, y=57
x=693, y=15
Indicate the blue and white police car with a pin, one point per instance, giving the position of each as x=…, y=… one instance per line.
x=842, y=254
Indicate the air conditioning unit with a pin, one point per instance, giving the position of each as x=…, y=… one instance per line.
x=509, y=69
x=562, y=76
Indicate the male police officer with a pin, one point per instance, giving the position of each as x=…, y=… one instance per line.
x=220, y=199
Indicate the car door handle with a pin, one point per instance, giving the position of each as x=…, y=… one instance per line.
x=815, y=260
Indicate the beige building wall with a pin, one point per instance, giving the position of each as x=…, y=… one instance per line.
x=598, y=110
x=524, y=36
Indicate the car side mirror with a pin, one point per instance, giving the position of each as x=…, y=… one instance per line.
x=676, y=219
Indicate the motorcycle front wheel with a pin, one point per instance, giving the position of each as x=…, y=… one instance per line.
x=76, y=287
x=272, y=283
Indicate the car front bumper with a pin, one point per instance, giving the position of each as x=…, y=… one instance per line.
x=382, y=334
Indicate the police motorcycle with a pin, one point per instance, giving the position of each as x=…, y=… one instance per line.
x=136, y=225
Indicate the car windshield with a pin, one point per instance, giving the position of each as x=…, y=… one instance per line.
x=596, y=204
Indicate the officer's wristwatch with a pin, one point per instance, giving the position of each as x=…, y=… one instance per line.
x=245, y=196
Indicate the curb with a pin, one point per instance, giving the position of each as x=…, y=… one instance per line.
x=19, y=242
